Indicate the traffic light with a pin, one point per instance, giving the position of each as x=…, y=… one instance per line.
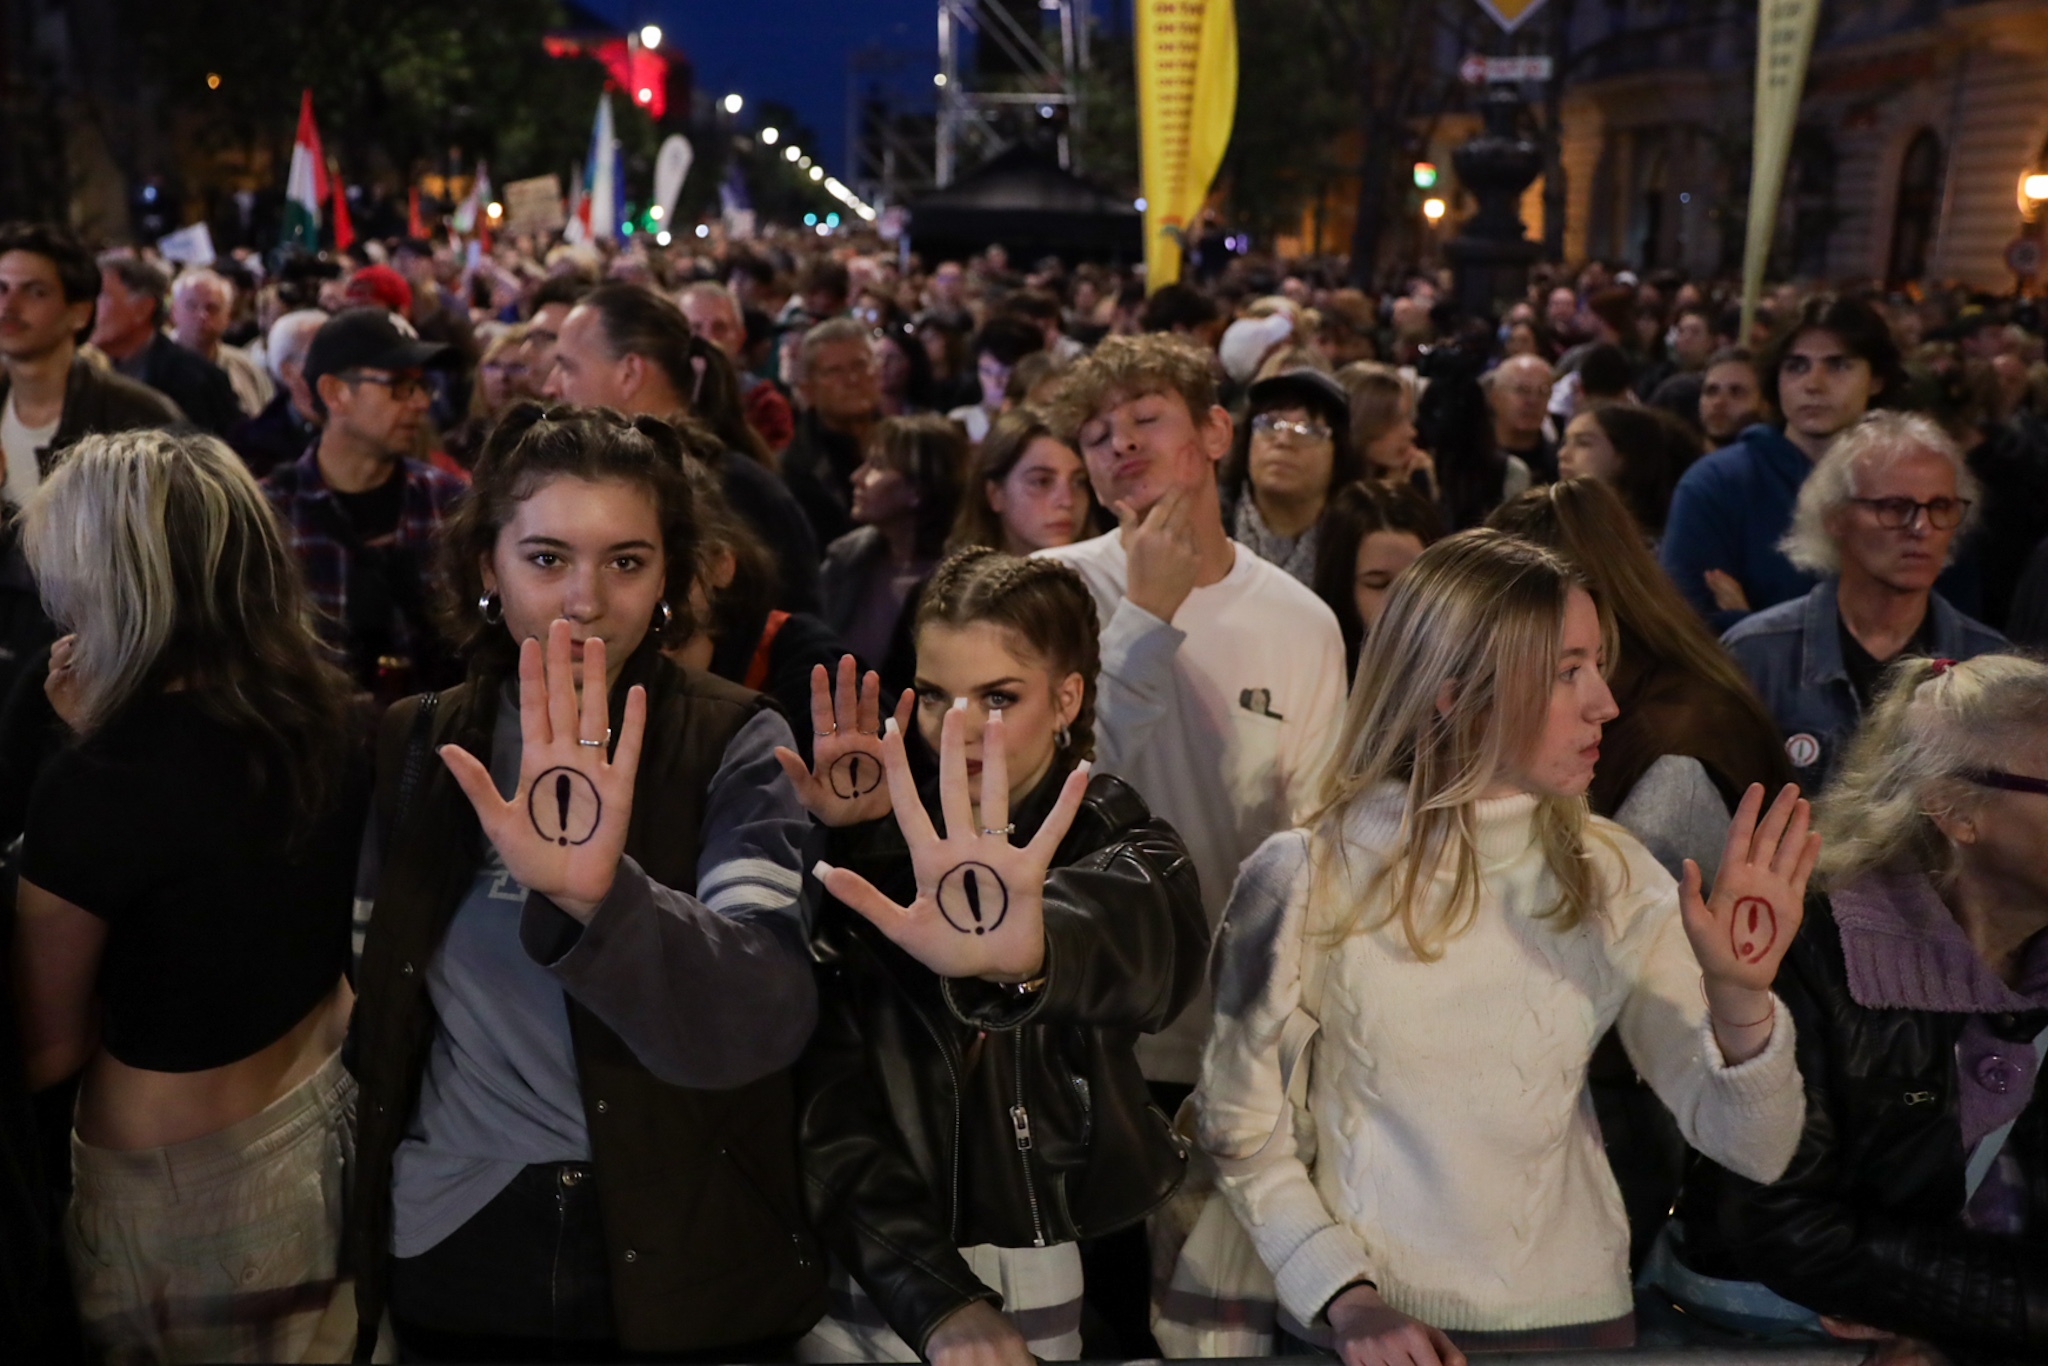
x=1425, y=175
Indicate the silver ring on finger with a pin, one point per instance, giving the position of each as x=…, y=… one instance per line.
x=597, y=744
x=824, y=734
x=1004, y=830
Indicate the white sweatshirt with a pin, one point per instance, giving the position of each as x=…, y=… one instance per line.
x=1457, y=1161
x=1220, y=719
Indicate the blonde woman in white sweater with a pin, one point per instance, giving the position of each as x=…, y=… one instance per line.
x=1464, y=931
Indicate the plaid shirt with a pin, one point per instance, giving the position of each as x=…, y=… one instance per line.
x=314, y=520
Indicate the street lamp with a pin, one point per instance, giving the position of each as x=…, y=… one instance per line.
x=650, y=37
x=792, y=152
x=734, y=103
x=817, y=172
x=1433, y=210
x=769, y=135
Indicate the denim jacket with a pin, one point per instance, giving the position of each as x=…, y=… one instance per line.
x=1793, y=655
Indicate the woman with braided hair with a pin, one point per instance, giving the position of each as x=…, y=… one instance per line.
x=970, y=1105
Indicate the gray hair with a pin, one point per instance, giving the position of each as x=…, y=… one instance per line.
x=202, y=276
x=1934, y=722
x=711, y=289
x=1867, y=448
x=1486, y=380
x=138, y=276
x=828, y=332
x=126, y=527
x=290, y=338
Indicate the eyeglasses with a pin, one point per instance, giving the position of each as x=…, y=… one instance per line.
x=402, y=387
x=1268, y=425
x=1894, y=514
x=2009, y=782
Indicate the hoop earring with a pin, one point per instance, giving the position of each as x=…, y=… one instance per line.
x=490, y=608
x=668, y=615
x=1063, y=738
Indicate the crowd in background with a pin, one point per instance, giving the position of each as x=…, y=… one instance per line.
x=1269, y=544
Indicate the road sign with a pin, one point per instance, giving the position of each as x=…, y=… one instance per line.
x=2023, y=257
x=1509, y=14
x=1478, y=70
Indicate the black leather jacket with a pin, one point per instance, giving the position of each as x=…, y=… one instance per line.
x=940, y=1114
x=1866, y=1222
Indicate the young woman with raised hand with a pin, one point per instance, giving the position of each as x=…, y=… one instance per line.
x=182, y=927
x=1463, y=932
x=1915, y=1213
x=971, y=1102
x=584, y=977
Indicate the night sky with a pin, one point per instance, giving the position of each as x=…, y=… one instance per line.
x=794, y=51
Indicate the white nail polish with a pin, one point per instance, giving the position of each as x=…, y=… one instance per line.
x=821, y=870
x=959, y=704
x=890, y=726
x=1086, y=766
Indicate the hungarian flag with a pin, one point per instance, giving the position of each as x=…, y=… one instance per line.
x=306, y=187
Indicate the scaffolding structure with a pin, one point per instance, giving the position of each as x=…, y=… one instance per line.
x=968, y=117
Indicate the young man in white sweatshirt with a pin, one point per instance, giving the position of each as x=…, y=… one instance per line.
x=1222, y=682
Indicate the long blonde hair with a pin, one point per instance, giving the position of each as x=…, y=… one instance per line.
x=159, y=552
x=1452, y=689
x=1933, y=722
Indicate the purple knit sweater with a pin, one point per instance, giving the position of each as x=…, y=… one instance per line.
x=1904, y=951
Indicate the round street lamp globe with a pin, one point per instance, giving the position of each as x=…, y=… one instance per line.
x=734, y=103
x=769, y=135
x=650, y=37
x=1433, y=209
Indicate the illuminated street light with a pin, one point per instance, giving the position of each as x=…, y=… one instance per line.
x=662, y=239
x=769, y=135
x=650, y=37
x=734, y=103
x=655, y=212
x=212, y=81
x=1433, y=209
x=817, y=172
x=792, y=152
x=495, y=209
x=703, y=230
x=2035, y=187
x=939, y=80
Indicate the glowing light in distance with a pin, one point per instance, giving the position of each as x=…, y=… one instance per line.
x=939, y=80
x=792, y=152
x=2036, y=187
x=1433, y=209
x=650, y=37
x=655, y=213
x=495, y=209
x=817, y=172
x=661, y=239
x=769, y=135
x=734, y=103
x=703, y=230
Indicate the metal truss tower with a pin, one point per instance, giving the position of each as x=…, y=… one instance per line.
x=968, y=115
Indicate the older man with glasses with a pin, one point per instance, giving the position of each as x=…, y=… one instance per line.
x=1518, y=393
x=1877, y=520
x=363, y=517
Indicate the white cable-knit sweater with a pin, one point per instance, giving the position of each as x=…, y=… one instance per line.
x=1456, y=1159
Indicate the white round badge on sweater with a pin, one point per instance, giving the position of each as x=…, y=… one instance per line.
x=1803, y=750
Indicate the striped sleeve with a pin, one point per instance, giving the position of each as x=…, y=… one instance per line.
x=752, y=857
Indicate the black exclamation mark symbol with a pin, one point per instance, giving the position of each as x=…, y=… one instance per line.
x=972, y=882
x=856, y=775
x=562, y=803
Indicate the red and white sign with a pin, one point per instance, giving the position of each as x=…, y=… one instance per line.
x=1478, y=70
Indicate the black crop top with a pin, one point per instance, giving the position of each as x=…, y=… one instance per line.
x=220, y=938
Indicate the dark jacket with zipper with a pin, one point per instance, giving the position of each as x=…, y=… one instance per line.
x=1866, y=1223
x=944, y=1113
x=693, y=1151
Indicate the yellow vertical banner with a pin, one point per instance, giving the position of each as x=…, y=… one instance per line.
x=1784, y=37
x=1187, y=100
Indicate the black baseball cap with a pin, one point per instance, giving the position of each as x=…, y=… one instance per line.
x=1312, y=389
x=370, y=339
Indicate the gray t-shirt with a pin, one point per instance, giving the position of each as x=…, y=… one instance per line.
x=501, y=1089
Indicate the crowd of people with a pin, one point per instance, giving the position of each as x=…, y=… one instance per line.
x=799, y=803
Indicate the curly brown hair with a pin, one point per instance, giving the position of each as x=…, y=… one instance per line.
x=531, y=445
x=1044, y=603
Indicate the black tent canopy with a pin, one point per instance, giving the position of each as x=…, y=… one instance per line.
x=1024, y=201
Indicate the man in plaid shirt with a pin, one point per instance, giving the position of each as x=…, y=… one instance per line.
x=365, y=520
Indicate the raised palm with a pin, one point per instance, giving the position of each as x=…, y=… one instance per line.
x=843, y=785
x=1741, y=933
x=980, y=901
x=564, y=829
